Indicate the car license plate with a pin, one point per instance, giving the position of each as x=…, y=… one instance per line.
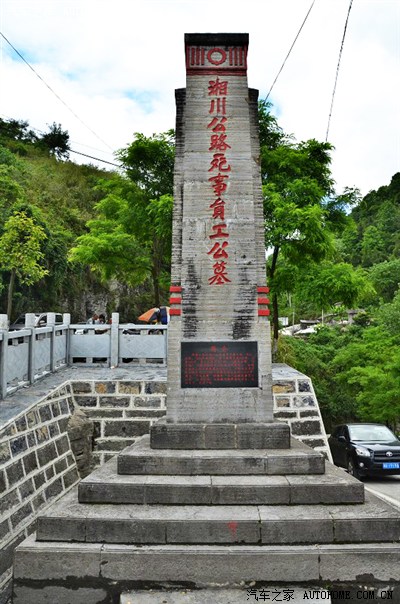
x=391, y=466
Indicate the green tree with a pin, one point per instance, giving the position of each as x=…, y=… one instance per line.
x=20, y=252
x=144, y=214
x=16, y=130
x=300, y=208
x=56, y=140
x=389, y=315
x=369, y=369
x=377, y=221
x=372, y=246
x=130, y=239
x=315, y=357
x=329, y=283
x=149, y=163
x=386, y=278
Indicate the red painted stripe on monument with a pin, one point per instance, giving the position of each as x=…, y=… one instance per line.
x=175, y=289
x=261, y=312
x=263, y=300
x=263, y=290
x=175, y=300
x=175, y=311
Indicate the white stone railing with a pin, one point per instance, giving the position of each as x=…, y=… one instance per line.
x=28, y=354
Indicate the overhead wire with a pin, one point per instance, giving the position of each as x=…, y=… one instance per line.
x=51, y=90
x=337, y=70
x=290, y=50
x=96, y=158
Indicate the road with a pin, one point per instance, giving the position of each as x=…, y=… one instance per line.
x=388, y=487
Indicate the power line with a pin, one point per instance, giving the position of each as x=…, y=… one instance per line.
x=290, y=50
x=55, y=94
x=96, y=158
x=337, y=70
x=90, y=147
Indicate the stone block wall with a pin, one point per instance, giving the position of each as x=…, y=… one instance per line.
x=296, y=404
x=121, y=412
x=36, y=467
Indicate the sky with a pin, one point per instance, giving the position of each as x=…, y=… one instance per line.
x=109, y=69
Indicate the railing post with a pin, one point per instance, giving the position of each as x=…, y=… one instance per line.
x=67, y=321
x=51, y=322
x=30, y=318
x=165, y=345
x=3, y=355
x=114, y=340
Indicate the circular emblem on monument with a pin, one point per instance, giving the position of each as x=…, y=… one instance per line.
x=219, y=58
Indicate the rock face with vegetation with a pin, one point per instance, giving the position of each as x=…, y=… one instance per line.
x=75, y=238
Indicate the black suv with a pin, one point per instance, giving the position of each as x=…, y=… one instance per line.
x=365, y=449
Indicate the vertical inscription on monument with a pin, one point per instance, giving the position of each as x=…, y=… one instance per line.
x=220, y=168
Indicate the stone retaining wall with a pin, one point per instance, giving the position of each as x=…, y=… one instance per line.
x=36, y=467
x=295, y=403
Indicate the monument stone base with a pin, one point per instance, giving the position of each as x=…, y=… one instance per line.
x=195, y=518
x=244, y=435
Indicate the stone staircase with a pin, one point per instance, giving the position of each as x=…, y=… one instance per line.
x=155, y=517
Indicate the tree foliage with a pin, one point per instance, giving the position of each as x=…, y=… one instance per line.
x=21, y=252
x=130, y=238
x=302, y=212
x=56, y=140
x=149, y=163
x=330, y=283
x=60, y=198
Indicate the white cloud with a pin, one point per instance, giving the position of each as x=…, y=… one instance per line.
x=117, y=64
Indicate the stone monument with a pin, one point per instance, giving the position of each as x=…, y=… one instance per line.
x=219, y=352
x=219, y=493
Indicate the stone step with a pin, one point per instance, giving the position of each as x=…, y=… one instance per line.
x=104, y=485
x=239, y=595
x=69, y=520
x=248, y=435
x=139, y=458
x=88, y=573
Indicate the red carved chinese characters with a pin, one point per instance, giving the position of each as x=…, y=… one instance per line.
x=220, y=168
x=223, y=364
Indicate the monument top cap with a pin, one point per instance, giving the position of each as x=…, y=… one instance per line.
x=210, y=53
x=222, y=39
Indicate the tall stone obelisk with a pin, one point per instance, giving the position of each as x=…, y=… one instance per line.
x=219, y=354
